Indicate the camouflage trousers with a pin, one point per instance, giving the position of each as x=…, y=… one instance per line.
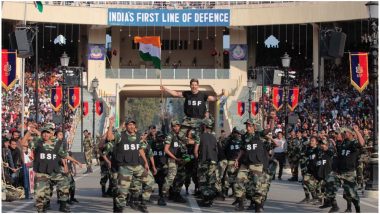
x=231, y=175
x=113, y=183
x=176, y=177
x=310, y=184
x=42, y=188
x=360, y=169
x=105, y=174
x=191, y=169
x=294, y=168
x=160, y=177
x=268, y=175
x=125, y=176
x=144, y=186
x=347, y=180
x=250, y=182
x=207, y=179
x=193, y=123
x=88, y=157
x=221, y=175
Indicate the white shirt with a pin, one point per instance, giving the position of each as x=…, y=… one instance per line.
x=281, y=146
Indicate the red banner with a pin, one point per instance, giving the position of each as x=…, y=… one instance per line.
x=99, y=107
x=255, y=108
x=293, y=98
x=240, y=108
x=8, y=69
x=277, y=98
x=56, y=98
x=85, y=108
x=74, y=97
x=359, y=70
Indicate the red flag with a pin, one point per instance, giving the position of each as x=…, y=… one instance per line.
x=56, y=97
x=8, y=69
x=255, y=108
x=240, y=108
x=99, y=107
x=293, y=98
x=74, y=97
x=85, y=108
x=277, y=98
x=359, y=70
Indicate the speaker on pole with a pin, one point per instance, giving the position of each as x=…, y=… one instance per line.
x=24, y=39
x=337, y=43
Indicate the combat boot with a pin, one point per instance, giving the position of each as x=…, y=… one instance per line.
x=293, y=179
x=348, y=209
x=47, y=205
x=258, y=207
x=178, y=198
x=72, y=196
x=326, y=203
x=161, y=202
x=305, y=200
x=104, y=194
x=334, y=206
x=187, y=190
x=142, y=207
x=240, y=204
x=134, y=203
x=90, y=169
x=220, y=196
x=87, y=171
x=251, y=205
x=235, y=202
x=63, y=207
x=357, y=206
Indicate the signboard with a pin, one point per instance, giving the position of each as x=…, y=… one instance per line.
x=96, y=51
x=238, y=52
x=146, y=17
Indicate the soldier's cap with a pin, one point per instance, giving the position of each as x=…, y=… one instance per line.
x=51, y=124
x=47, y=128
x=130, y=120
x=208, y=123
x=235, y=130
x=251, y=121
x=242, y=132
x=175, y=122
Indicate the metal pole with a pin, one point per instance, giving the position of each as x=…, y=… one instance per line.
x=81, y=109
x=262, y=96
x=116, y=106
x=372, y=183
x=93, y=114
x=319, y=80
x=36, y=77
x=286, y=101
x=63, y=103
x=249, y=102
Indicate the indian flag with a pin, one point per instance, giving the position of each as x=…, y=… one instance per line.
x=150, y=49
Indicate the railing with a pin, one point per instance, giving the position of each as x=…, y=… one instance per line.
x=131, y=73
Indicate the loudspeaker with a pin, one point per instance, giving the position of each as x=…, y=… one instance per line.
x=337, y=43
x=12, y=41
x=24, y=43
x=332, y=45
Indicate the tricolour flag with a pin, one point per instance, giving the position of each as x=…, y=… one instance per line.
x=99, y=107
x=277, y=97
x=150, y=49
x=255, y=108
x=85, y=108
x=240, y=108
x=8, y=69
x=293, y=98
x=74, y=97
x=56, y=97
x=359, y=70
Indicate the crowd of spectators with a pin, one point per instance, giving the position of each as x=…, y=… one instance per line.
x=17, y=160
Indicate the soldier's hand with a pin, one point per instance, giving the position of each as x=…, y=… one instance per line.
x=236, y=164
x=146, y=166
x=108, y=164
x=178, y=160
x=154, y=171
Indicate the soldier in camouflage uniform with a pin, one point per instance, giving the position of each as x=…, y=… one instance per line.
x=127, y=149
x=191, y=167
x=88, y=149
x=105, y=169
x=232, y=149
x=48, y=154
x=345, y=171
x=208, y=163
x=96, y=153
x=365, y=154
x=324, y=166
x=293, y=153
x=175, y=148
x=251, y=159
x=221, y=177
x=160, y=160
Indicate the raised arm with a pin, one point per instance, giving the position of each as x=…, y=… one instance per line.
x=171, y=92
x=110, y=135
x=360, y=137
x=215, y=98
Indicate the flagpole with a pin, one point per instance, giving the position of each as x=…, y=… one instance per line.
x=23, y=85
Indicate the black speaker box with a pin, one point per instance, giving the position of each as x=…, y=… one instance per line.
x=337, y=43
x=24, y=39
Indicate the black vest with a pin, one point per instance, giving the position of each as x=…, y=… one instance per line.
x=233, y=148
x=324, y=164
x=160, y=158
x=208, y=148
x=176, y=146
x=255, y=152
x=347, y=154
x=312, y=158
x=195, y=104
x=127, y=152
x=46, y=161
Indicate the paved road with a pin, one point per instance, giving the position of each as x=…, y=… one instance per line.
x=283, y=197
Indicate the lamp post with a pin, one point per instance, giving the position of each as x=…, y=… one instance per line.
x=372, y=183
x=64, y=63
x=285, y=61
x=249, y=85
x=94, y=87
